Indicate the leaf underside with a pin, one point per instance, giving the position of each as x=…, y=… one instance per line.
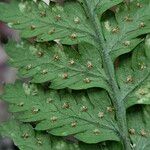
x=64, y=55
x=65, y=114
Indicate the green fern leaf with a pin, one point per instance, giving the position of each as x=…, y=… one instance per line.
x=121, y=31
x=25, y=138
x=89, y=117
x=139, y=125
x=99, y=33
x=67, y=24
x=72, y=27
x=100, y=6
x=63, y=66
x=62, y=113
x=134, y=77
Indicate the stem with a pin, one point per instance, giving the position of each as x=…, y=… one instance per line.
x=116, y=99
x=110, y=72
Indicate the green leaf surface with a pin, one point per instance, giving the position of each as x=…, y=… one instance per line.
x=104, y=5
x=67, y=24
x=81, y=47
x=66, y=67
x=122, y=29
x=62, y=114
x=26, y=138
x=90, y=117
x=133, y=76
x=100, y=6
x=63, y=66
x=139, y=127
x=70, y=25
